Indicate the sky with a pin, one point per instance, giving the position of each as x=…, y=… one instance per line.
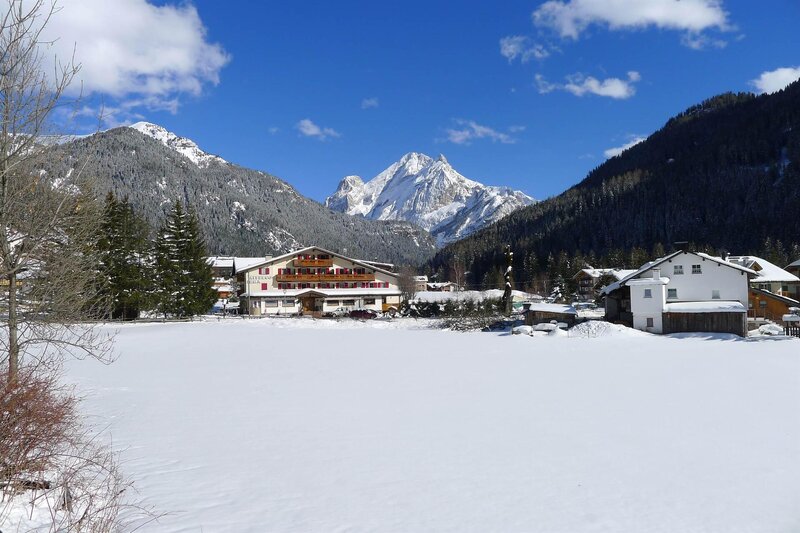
x=526, y=94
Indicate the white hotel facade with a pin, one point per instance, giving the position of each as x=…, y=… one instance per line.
x=314, y=280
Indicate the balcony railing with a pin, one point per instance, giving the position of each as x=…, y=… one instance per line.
x=324, y=277
x=298, y=262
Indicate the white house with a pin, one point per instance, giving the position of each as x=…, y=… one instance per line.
x=684, y=291
x=314, y=280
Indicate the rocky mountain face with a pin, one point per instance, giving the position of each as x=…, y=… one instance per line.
x=429, y=193
x=241, y=211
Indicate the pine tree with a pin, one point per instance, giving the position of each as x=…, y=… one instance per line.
x=122, y=248
x=183, y=278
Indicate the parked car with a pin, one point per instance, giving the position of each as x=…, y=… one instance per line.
x=363, y=314
x=338, y=312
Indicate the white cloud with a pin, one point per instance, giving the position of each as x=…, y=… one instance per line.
x=774, y=80
x=368, y=103
x=273, y=130
x=580, y=85
x=569, y=18
x=699, y=41
x=519, y=46
x=131, y=49
x=635, y=139
x=307, y=128
x=469, y=130
x=516, y=129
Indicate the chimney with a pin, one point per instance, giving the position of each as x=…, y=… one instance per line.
x=656, y=273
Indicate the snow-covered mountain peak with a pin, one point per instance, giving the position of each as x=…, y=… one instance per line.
x=430, y=193
x=182, y=145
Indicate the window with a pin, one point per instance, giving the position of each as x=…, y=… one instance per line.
x=265, y=286
x=334, y=303
x=715, y=294
x=271, y=303
x=348, y=302
x=648, y=293
x=369, y=301
x=677, y=270
x=696, y=269
x=288, y=303
x=649, y=322
x=672, y=293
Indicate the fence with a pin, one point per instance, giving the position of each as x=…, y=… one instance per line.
x=793, y=330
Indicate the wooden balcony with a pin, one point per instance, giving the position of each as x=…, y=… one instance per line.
x=313, y=262
x=315, y=278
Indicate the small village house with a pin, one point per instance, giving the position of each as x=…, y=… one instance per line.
x=420, y=283
x=769, y=306
x=314, y=281
x=794, y=268
x=769, y=277
x=683, y=292
x=443, y=286
x=589, y=279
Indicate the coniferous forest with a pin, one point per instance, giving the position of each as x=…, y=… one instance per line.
x=723, y=176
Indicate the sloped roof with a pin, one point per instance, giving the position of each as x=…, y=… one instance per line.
x=765, y=271
x=652, y=264
x=270, y=260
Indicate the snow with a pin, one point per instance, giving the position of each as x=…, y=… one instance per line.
x=766, y=272
x=182, y=145
x=712, y=306
x=309, y=425
x=431, y=194
x=477, y=296
x=552, y=308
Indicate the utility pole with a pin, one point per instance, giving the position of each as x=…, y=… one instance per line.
x=509, y=281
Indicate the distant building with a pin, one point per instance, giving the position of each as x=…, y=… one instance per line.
x=588, y=280
x=681, y=292
x=313, y=281
x=420, y=283
x=444, y=286
x=769, y=277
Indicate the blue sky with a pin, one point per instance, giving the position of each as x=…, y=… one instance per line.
x=526, y=94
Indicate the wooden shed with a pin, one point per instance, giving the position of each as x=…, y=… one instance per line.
x=536, y=313
x=711, y=317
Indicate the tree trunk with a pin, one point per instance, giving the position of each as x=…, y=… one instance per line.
x=13, y=341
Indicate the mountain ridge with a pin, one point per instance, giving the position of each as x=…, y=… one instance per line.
x=241, y=211
x=430, y=193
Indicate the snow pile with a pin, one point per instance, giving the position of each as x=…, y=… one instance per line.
x=304, y=425
x=476, y=296
x=770, y=329
x=599, y=328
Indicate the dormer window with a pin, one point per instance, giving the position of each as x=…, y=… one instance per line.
x=696, y=269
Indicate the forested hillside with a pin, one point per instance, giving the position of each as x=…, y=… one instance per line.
x=241, y=211
x=723, y=175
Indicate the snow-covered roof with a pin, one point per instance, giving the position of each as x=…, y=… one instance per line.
x=648, y=281
x=270, y=260
x=597, y=273
x=274, y=293
x=218, y=261
x=652, y=264
x=553, y=308
x=765, y=271
x=705, y=307
x=791, y=318
x=420, y=278
x=794, y=264
x=246, y=263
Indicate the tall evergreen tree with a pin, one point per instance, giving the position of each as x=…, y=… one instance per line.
x=122, y=247
x=183, y=279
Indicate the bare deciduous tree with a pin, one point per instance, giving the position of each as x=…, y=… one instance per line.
x=46, y=222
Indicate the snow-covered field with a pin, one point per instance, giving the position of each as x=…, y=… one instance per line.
x=301, y=425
